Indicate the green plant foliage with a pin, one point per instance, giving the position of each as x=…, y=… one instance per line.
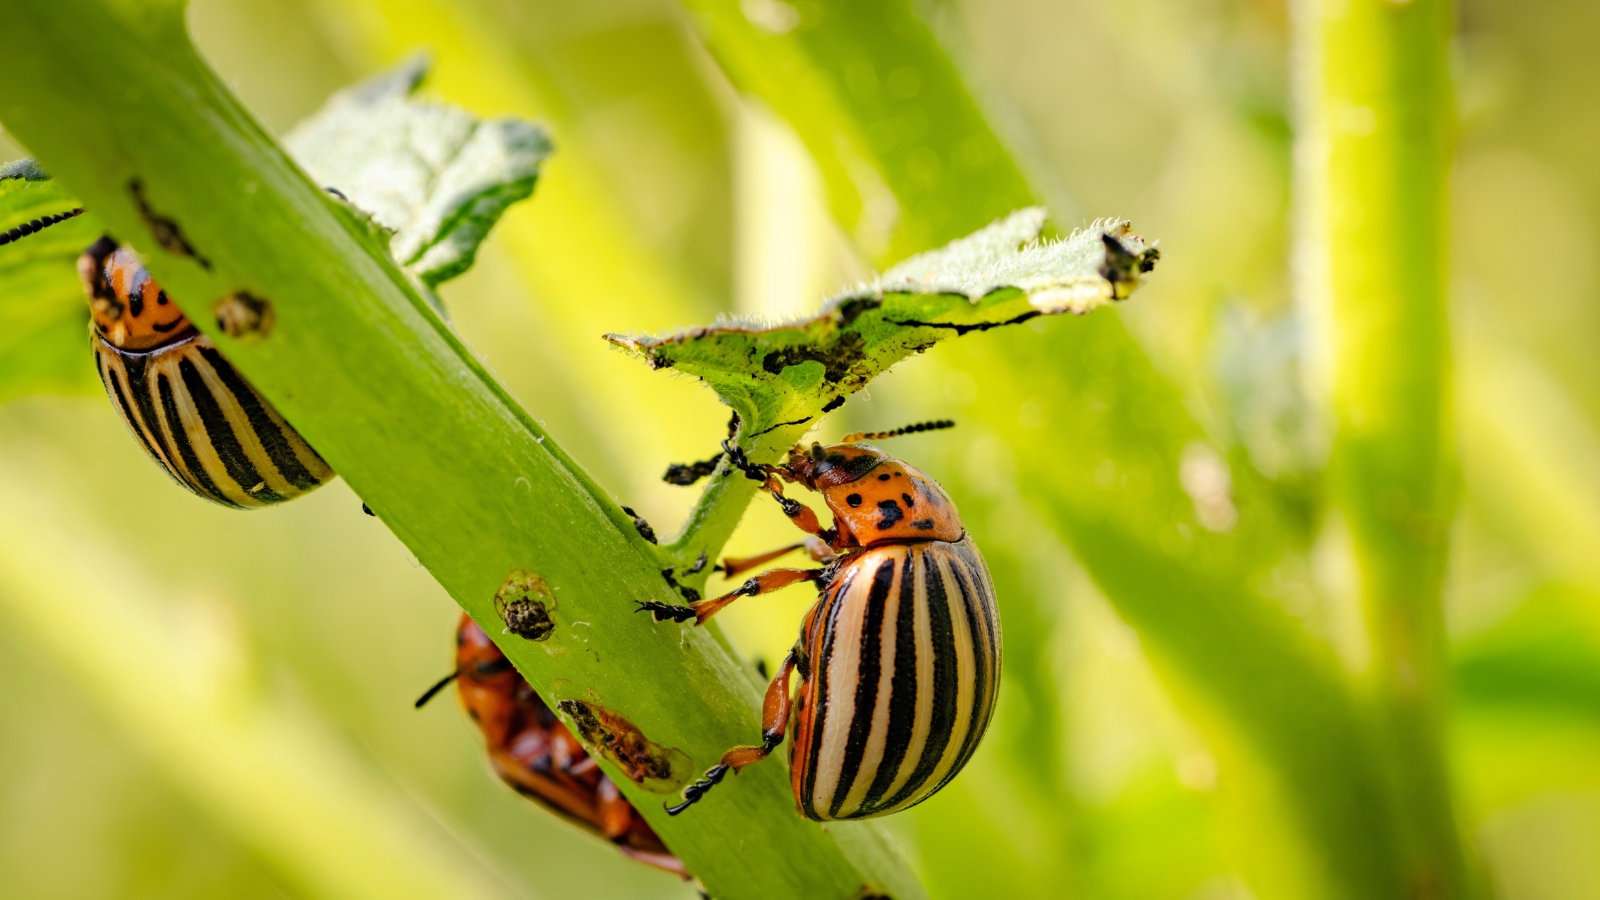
x=780, y=378
x=433, y=174
x=42, y=345
x=882, y=109
x=789, y=373
x=1227, y=524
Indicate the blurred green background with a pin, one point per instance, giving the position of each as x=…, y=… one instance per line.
x=1095, y=780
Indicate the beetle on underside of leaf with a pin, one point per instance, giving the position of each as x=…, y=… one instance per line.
x=899, y=660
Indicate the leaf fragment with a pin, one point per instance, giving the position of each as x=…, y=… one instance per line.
x=433, y=174
x=789, y=373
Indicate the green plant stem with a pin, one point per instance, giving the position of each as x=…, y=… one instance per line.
x=1374, y=156
x=112, y=93
x=720, y=507
x=870, y=94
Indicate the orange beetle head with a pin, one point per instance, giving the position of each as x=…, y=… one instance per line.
x=820, y=468
x=130, y=311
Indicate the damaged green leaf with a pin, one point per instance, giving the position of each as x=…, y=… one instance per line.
x=434, y=175
x=789, y=373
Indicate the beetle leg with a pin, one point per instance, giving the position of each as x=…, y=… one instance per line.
x=765, y=583
x=803, y=516
x=702, y=610
x=800, y=514
x=774, y=722
x=814, y=546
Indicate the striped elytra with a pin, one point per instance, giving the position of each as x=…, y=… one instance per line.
x=906, y=644
x=193, y=413
x=898, y=661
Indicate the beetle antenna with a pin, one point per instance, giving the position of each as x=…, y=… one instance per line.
x=909, y=429
x=437, y=688
x=36, y=225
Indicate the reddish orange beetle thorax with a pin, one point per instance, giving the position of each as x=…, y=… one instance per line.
x=129, y=309
x=876, y=498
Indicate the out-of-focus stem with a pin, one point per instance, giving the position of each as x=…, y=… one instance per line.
x=1375, y=140
x=177, y=682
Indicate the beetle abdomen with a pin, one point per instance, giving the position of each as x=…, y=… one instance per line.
x=206, y=426
x=906, y=649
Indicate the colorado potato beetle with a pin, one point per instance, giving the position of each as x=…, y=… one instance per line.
x=533, y=752
x=899, y=660
x=188, y=407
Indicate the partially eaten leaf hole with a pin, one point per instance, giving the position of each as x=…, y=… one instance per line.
x=166, y=231
x=618, y=741
x=244, y=316
x=526, y=603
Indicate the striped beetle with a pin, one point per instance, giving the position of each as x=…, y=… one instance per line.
x=899, y=660
x=191, y=410
x=538, y=756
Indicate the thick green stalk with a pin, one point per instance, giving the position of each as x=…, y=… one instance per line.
x=112, y=97
x=1377, y=124
x=870, y=94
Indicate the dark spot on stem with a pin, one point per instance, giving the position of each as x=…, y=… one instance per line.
x=242, y=315
x=611, y=736
x=525, y=603
x=164, y=230
x=640, y=525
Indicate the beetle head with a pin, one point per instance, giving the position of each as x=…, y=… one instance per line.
x=129, y=309
x=825, y=467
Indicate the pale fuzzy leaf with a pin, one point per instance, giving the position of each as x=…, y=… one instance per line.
x=789, y=373
x=435, y=175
